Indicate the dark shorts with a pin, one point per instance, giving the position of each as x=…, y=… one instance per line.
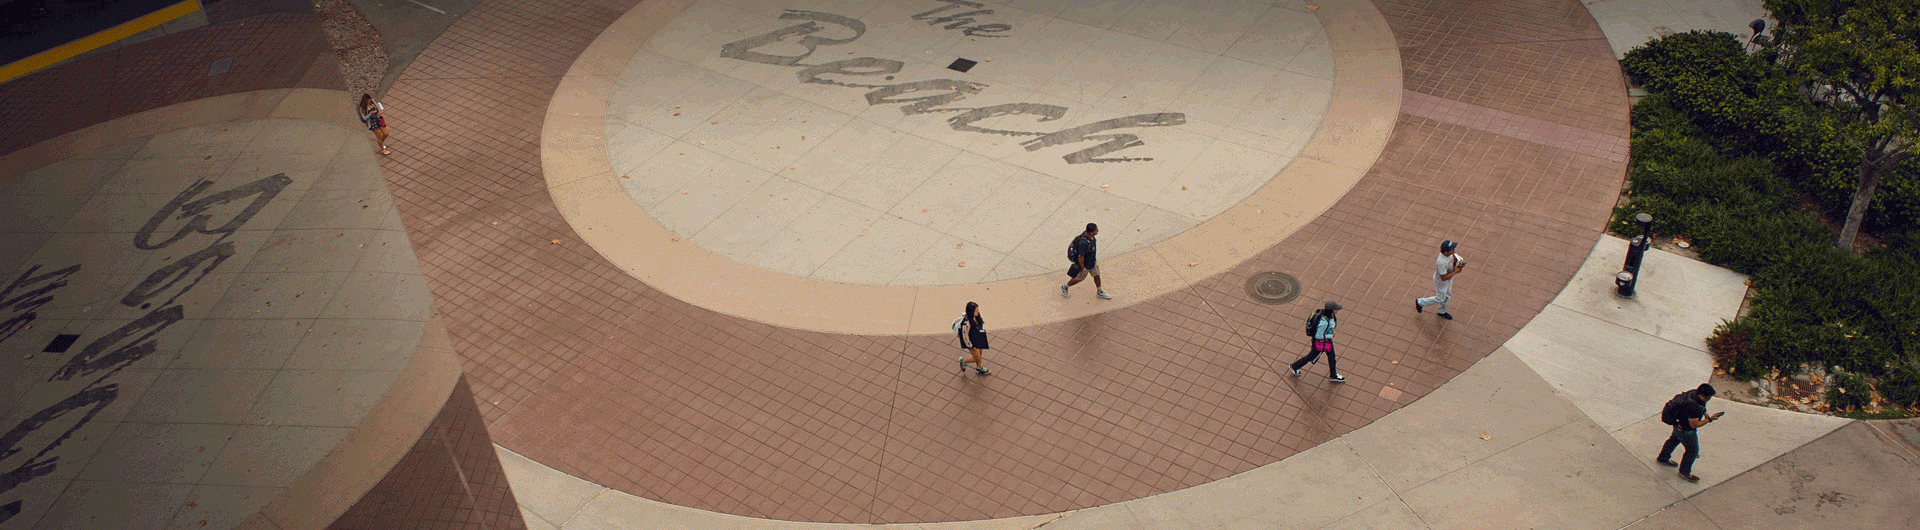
x=978, y=340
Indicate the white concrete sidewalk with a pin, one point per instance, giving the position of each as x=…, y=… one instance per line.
x=1630, y=23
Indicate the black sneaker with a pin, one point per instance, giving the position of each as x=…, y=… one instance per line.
x=1063, y=291
x=1337, y=378
x=963, y=365
x=982, y=371
x=1417, y=308
x=1446, y=316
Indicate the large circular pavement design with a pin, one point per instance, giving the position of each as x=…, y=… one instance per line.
x=202, y=304
x=843, y=162
x=613, y=374
x=756, y=172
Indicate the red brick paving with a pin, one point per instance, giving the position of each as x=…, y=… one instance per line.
x=450, y=480
x=583, y=368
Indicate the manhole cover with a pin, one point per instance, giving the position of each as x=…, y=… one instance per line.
x=1273, y=288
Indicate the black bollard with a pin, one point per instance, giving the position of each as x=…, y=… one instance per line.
x=1636, y=251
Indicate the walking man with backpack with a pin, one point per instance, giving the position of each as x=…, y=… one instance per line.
x=1320, y=328
x=1686, y=412
x=1082, y=253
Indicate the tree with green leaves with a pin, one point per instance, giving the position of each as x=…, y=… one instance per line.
x=1862, y=59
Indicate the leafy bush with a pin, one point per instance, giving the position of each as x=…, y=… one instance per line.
x=1896, y=206
x=1902, y=385
x=1708, y=76
x=1812, y=303
x=1849, y=391
x=1732, y=347
x=1748, y=106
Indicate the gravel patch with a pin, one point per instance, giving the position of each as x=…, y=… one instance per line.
x=363, y=57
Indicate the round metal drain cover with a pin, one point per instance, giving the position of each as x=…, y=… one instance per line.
x=1273, y=288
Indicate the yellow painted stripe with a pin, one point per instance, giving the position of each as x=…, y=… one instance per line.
x=109, y=36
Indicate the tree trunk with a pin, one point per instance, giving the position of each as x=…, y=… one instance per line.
x=1870, y=170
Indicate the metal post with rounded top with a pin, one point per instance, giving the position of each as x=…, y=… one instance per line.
x=1636, y=251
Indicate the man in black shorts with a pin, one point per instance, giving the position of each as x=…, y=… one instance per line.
x=1082, y=251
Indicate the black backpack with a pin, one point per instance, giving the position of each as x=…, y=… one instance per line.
x=1313, y=322
x=1670, y=414
x=1073, y=250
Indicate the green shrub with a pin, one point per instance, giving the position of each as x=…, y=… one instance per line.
x=1849, y=391
x=1722, y=152
x=1732, y=347
x=1708, y=76
x=1902, y=385
x=1654, y=112
x=1896, y=204
x=1747, y=105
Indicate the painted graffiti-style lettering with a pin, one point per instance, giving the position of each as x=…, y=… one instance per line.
x=135, y=340
x=954, y=91
x=174, y=272
x=872, y=65
x=93, y=398
x=743, y=49
x=194, y=211
x=90, y=360
x=1113, y=142
x=21, y=304
x=939, y=95
x=962, y=19
x=964, y=122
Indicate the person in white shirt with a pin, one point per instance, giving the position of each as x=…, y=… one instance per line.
x=1445, y=267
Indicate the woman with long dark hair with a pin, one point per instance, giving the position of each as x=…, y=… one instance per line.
x=973, y=337
x=370, y=115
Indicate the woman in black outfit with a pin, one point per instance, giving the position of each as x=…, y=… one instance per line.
x=975, y=331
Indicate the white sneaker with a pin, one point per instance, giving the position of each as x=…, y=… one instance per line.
x=1103, y=295
x=1063, y=291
